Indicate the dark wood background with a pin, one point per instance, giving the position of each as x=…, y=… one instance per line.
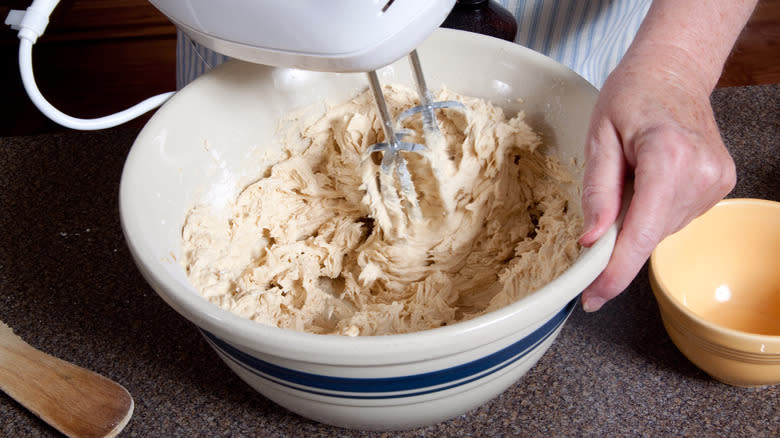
x=98, y=57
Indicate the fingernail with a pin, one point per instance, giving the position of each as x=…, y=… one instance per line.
x=593, y=304
x=590, y=221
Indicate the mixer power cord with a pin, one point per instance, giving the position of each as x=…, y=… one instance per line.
x=31, y=24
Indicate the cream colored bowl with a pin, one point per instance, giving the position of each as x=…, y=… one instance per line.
x=207, y=143
x=717, y=282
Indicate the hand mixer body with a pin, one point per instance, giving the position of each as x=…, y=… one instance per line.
x=323, y=35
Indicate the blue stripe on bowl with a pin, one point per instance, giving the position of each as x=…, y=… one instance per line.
x=393, y=387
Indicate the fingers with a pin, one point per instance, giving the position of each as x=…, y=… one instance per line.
x=643, y=228
x=675, y=181
x=602, y=184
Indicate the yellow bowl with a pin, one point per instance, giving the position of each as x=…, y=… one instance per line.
x=717, y=283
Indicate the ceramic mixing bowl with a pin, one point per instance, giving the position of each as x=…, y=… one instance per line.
x=717, y=283
x=207, y=143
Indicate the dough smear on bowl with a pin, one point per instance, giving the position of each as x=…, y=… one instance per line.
x=310, y=246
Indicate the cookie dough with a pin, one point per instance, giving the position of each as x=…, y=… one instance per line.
x=318, y=244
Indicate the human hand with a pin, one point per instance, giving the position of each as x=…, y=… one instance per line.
x=652, y=122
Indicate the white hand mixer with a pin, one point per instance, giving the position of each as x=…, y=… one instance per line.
x=333, y=35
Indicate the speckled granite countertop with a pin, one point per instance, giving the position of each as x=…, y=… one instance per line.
x=69, y=287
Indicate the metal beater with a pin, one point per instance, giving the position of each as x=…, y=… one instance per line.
x=392, y=160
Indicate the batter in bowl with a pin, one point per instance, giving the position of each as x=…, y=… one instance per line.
x=311, y=246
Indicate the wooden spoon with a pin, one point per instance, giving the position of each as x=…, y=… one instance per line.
x=73, y=400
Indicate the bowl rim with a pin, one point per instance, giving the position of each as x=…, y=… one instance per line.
x=384, y=349
x=736, y=338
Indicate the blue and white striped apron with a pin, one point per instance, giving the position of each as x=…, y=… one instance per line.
x=588, y=36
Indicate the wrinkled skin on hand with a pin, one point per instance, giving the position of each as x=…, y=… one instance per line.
x=652, y=123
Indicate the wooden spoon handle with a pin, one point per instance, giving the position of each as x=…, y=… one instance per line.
x=73, y=400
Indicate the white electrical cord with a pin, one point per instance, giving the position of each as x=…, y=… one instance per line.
x=31, y=24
